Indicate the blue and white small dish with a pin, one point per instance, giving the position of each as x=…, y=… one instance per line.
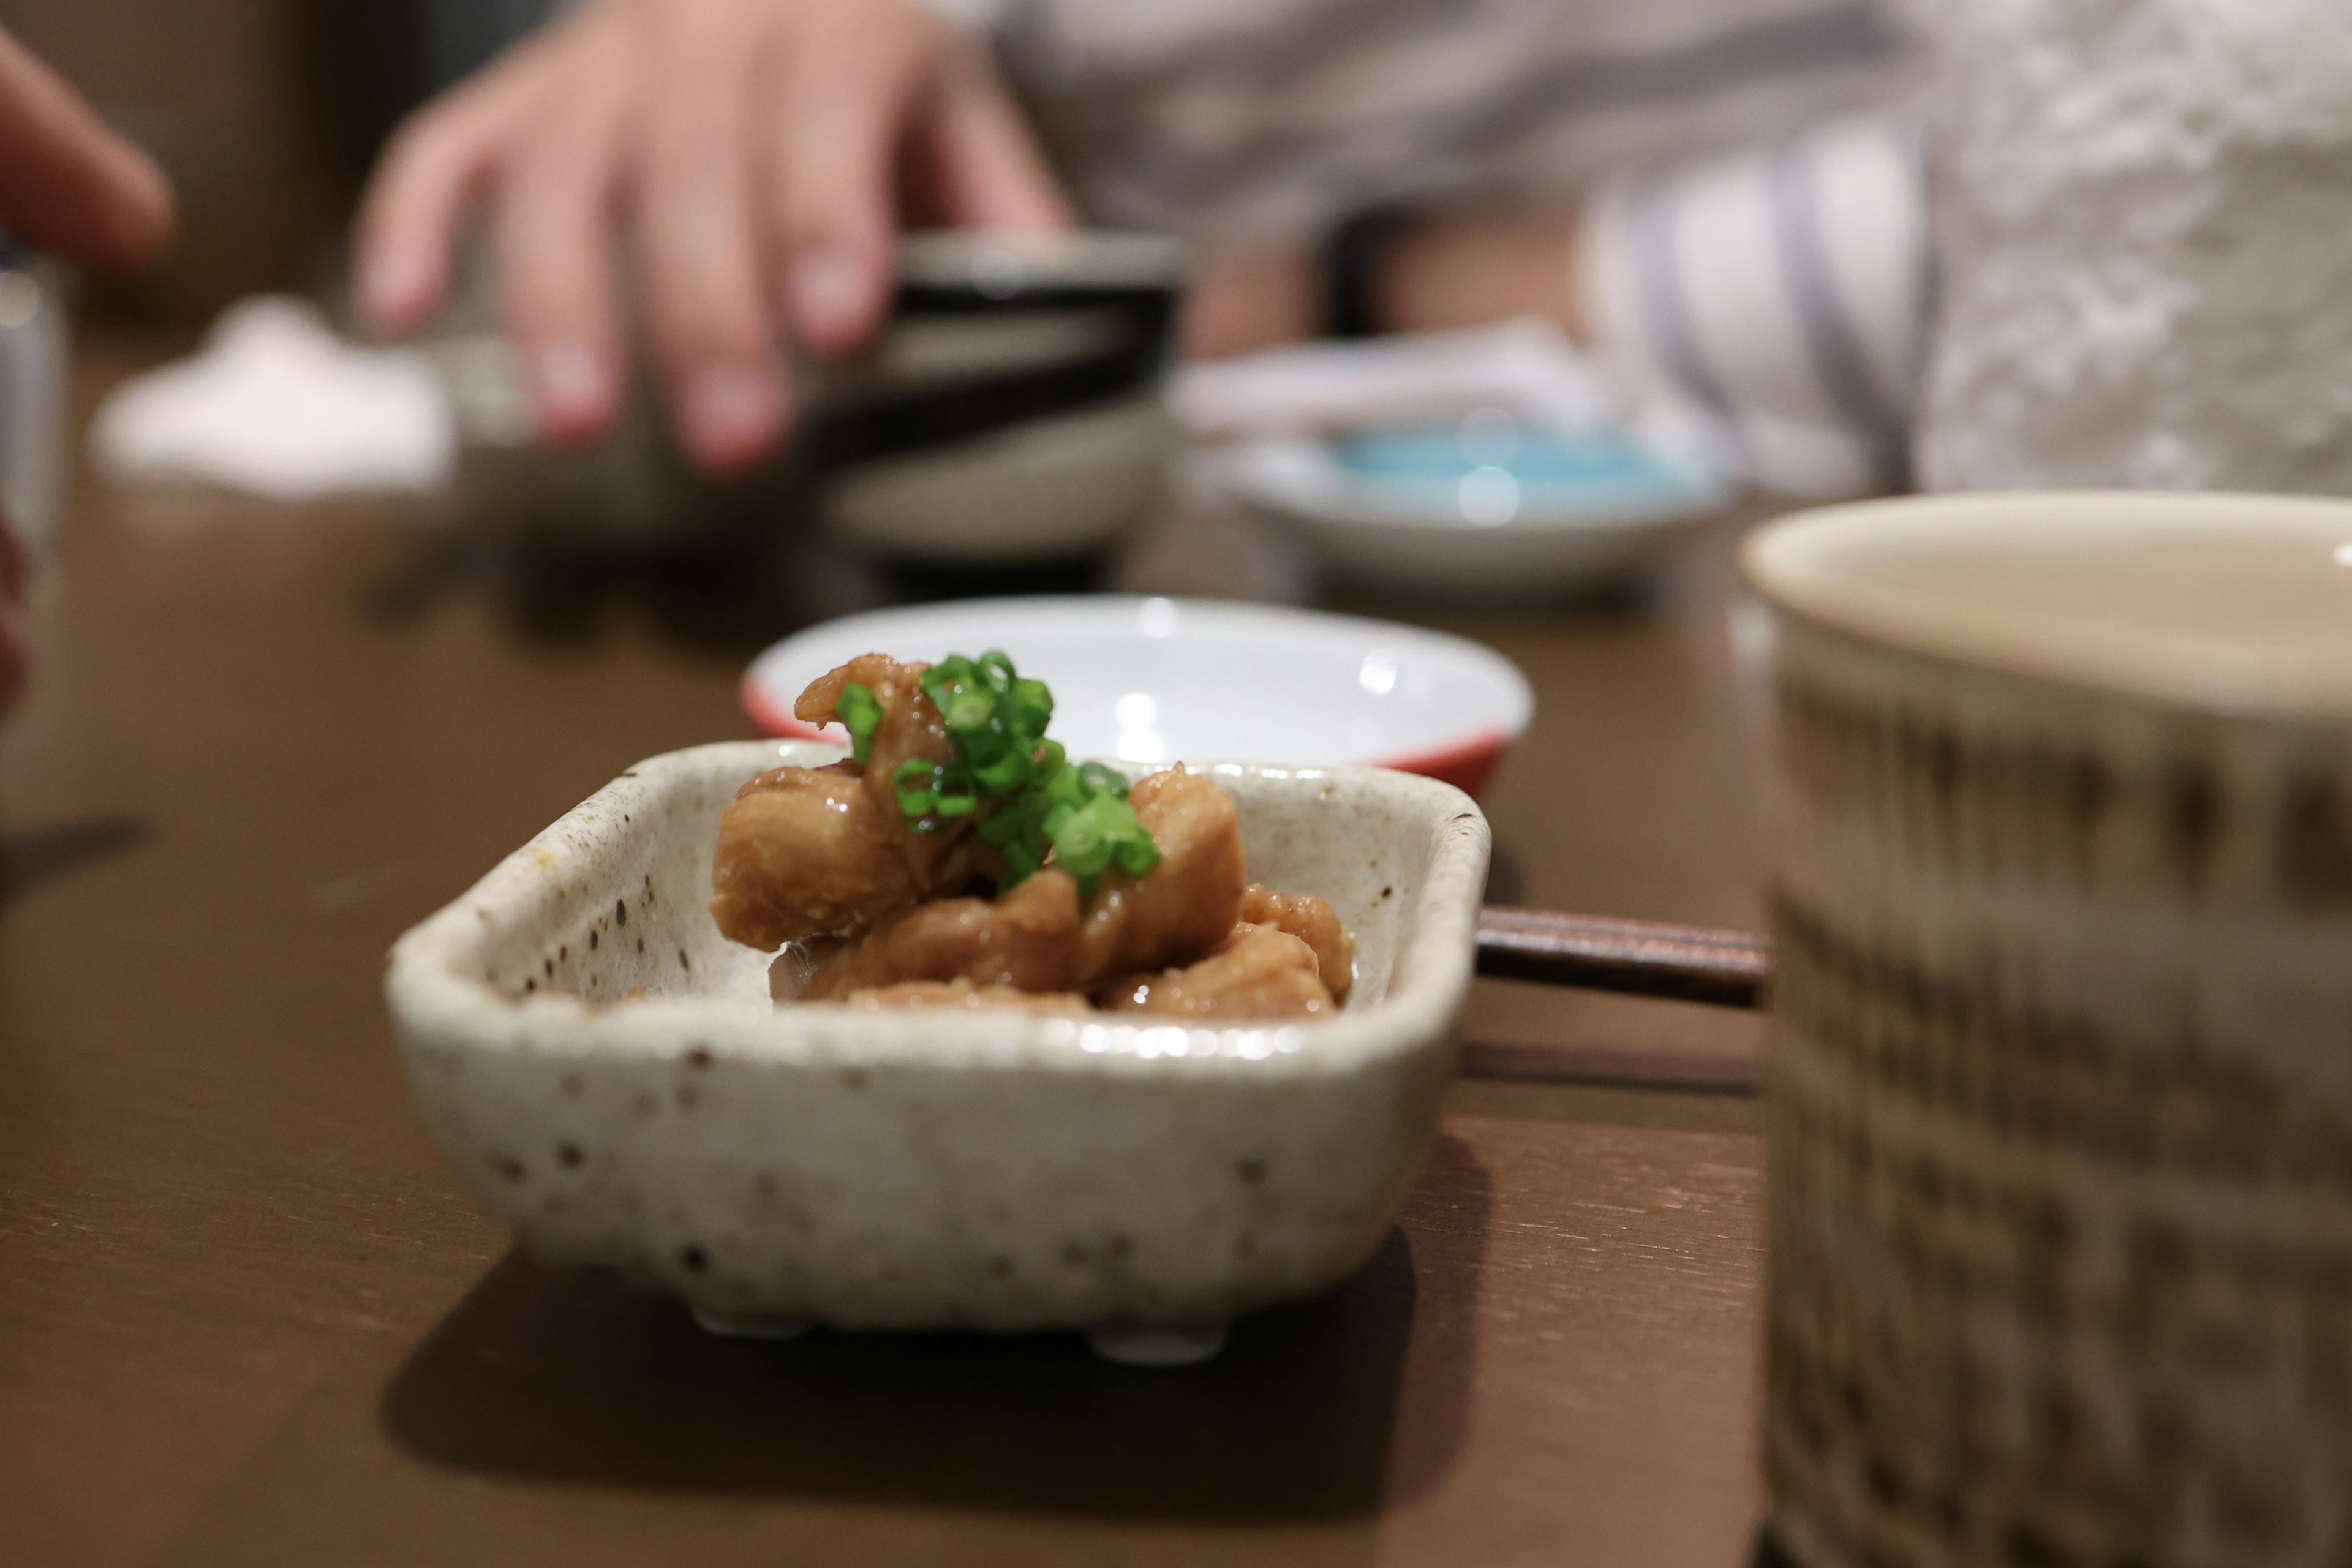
x=1494, y=505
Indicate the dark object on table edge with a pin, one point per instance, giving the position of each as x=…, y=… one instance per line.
x=1641, y=958
x=866, y=419
x=1351, y=259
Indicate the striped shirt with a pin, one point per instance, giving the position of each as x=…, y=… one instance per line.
x=1754, y=245
x=1266, y=122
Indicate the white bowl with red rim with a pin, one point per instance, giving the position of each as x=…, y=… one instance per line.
x=1165, y=680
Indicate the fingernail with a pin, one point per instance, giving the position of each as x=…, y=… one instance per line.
x=574, y=391
x=830, y=292
x=394, y=285
x=732, y=414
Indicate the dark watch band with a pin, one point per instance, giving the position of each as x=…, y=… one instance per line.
x=1351, y=260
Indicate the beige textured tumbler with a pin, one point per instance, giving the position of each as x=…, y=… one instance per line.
x=2060, y=1076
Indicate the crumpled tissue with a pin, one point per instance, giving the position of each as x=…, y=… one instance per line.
x=277, y=403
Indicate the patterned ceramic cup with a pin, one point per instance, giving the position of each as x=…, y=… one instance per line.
x=2060, y=1080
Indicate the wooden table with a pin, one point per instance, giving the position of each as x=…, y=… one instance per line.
x=246, y=1318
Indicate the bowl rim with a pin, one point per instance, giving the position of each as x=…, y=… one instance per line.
x=433, y=988
x=1267, y=473
x=1466, y=762
x=1013, y=263
x=1516, y=709
x=1794, y=564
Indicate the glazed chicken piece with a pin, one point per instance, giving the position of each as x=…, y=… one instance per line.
x=1258, y=972
x=1184, y=906
x=1022, y=940
x=1036, y=938
x=910, y=725
x=914, y=996
x=821, y=863
x=804, y=850
x=1312, y=921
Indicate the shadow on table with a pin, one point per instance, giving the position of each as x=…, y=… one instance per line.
x=1314, y=1412
x=731, y=593
x=30, y=858
x=1507, y=876
x=724, y=597
x=1624, y=598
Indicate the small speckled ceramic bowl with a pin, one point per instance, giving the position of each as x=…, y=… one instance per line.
x=778, y=1167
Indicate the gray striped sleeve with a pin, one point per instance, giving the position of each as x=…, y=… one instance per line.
x=1779, y=298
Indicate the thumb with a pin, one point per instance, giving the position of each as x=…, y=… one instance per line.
x=68, y=184
x=15, y=574
x=987, y=170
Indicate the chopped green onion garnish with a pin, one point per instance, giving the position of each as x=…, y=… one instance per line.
x=861, y=713
x=1135, y=854
x=1028, y=800
x=915, y=801
x=1004, y=776
x=970, y=710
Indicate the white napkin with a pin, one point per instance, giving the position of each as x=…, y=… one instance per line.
x=1528, y=367
x=278, y=405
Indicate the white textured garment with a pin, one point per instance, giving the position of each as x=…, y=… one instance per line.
x=2144, y=216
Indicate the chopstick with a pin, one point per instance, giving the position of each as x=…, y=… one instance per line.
x=1731, y=1073
x=1640, y=958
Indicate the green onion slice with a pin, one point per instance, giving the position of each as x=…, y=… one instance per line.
x=860, y=712
x=1017, y=788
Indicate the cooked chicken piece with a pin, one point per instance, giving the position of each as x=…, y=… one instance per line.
x=1312, y=921
x=1184, y=906
x=912, y=995
x=1033, y=937
x=804, y=850
x=792, y=968
x=910, y=725
x=1023, y=938
x=1259, y=972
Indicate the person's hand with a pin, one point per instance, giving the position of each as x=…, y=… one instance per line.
x=1451, y=272
x=67, y=183
x=756, y=158
x=15, y=650
x=1241, y=301
x=70, y=185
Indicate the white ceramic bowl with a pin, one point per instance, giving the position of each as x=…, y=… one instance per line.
x=1044, y=489
x=1085, y=323
x=1149, y=680
x=1479, y=534
x=775, y=1166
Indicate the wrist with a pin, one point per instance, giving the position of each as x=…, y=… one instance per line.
x=1467, y=272
x=1242, y=301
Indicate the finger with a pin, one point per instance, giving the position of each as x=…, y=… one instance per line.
x=16, y=572
x=831, y=174
x=16, y=647
x=987, y=170
x=428, y=181
x=692, y=203
x=15, y=656
x=554, y=239
x=68, y=184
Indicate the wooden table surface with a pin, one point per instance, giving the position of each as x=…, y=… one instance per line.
x=246, y=1317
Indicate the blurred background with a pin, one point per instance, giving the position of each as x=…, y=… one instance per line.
x=266, y=113
x=315, y=632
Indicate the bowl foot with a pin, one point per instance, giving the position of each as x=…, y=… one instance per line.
x=749, y=1325
x=1158, y=1347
